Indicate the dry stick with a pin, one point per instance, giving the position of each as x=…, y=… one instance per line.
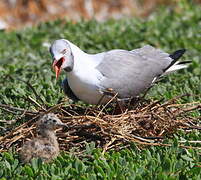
x=7, y=110
x=192, y=127
x=33, y=89
x=158, y=116
x=14, y=130
x=3, y=128
x=190, y=142
x=190, y=123
x=10, y=122
x=16, y=109
x=174, y=99
x=35, y=102
x=108, y=144
x=142, y=139
x=14, y=140
x=159, y=144
x=15, y=120
x=54, y=108
x=168, y=111
x=74, y=117
x=186, y=104
x=170, y=101
x=66, y=112
x=153, y=104
x=106, y=105
x=154, y=138
x=188, y=109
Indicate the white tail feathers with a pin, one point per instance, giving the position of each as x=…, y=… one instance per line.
x=175, y=67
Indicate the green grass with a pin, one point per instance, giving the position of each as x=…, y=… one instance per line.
x=23, y=56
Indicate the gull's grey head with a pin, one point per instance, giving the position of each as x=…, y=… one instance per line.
x=62, y=56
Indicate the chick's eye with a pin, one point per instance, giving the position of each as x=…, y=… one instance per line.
x=54, y=121
x=63, y=51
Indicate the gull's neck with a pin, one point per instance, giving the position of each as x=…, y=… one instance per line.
x=76, y=50
x=82, y=60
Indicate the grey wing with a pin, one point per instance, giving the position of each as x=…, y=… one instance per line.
x=67, y=90
x=131, y=72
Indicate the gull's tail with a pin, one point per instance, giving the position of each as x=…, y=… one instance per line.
x=175, y=64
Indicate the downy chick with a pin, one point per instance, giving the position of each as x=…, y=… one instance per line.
x=45, y=146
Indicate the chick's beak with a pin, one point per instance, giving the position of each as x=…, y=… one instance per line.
x=57, y=66
x=61, y=125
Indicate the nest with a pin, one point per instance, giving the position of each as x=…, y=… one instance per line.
x=147, y=123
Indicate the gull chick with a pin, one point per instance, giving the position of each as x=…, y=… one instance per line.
x=127, y=73
x=45, y=146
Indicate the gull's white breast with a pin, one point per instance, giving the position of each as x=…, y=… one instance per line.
x=85, y=84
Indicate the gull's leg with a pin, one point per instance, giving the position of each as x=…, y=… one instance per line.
x=100, y=100
x=146, y=91
x=109, y=92
x=120, y=106
x=154, y=81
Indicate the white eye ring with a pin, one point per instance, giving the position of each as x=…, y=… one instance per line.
x=63, y=51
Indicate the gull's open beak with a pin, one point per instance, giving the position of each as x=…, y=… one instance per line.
x=57, y=66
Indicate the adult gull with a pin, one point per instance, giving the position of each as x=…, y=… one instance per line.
x=127, y=73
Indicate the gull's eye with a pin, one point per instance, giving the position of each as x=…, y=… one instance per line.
x=54, y=121
x=63, y=51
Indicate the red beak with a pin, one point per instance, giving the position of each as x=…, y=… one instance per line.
x=57, y=66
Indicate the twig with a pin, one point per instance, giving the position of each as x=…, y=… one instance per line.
x=160, y=144
x=16, y=109
x=195, y=142
x=186, y=104
x=158, y=116
x=143, y=139
x=108, y=144
x=33, y=89
x=188, y=109
x=35, y=102
x=107, y=104
x=7, y=110
x=8, y=121
x=153, y=104
x=54, y=108
x=174, y=99
x=17, y=128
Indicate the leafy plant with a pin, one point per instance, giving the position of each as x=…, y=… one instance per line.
x=24, y=56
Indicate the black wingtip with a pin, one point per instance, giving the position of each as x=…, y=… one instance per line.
x=185, y=62
x=177, y=54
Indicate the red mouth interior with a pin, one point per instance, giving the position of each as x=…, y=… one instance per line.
x=57, y=66
x=59, y=63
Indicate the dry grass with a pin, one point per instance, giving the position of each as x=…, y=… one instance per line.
x=144, y=123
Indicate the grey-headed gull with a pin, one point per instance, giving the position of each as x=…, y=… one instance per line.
x=128, y=73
